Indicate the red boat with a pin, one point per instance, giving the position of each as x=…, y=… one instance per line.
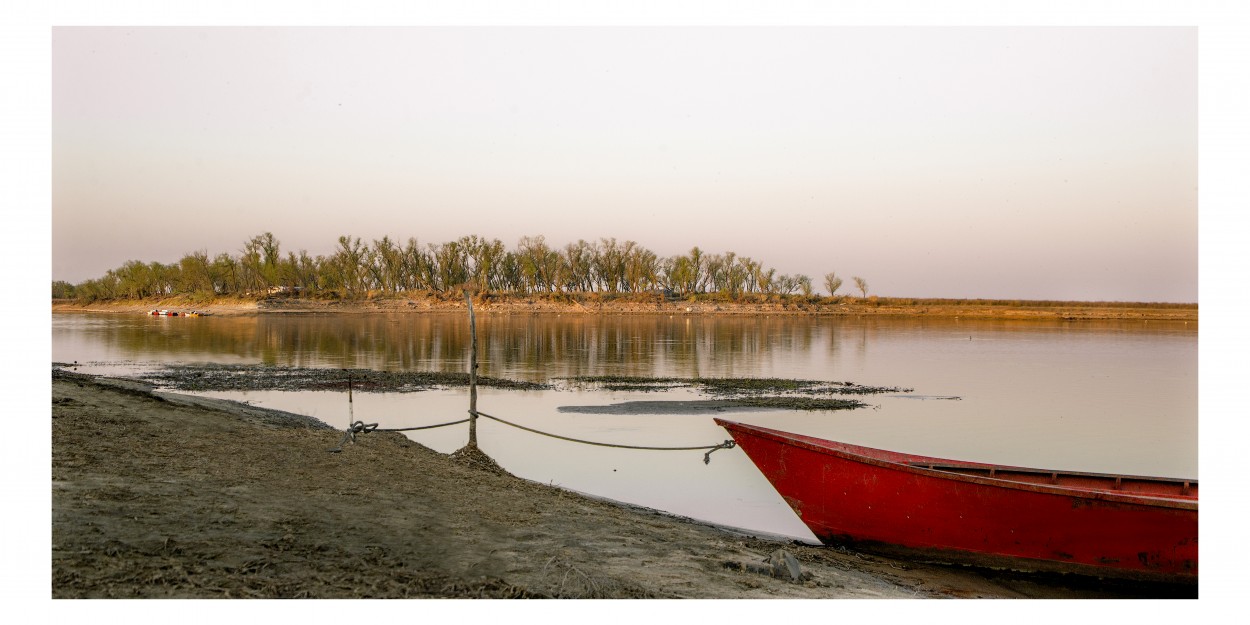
x=965, y=512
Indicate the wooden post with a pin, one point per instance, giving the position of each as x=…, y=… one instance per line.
x=468, y=297
x=351, y=415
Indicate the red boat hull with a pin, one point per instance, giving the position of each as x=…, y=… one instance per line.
x=1027, y=519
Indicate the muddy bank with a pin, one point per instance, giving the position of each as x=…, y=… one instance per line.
x=733, y=386
x=162, y=495
x=729, y=394
x=492, y=303
x=222, y=377
x=744, y=404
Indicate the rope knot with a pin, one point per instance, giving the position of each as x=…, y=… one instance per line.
x=728, y=444
x=350, y=435
x=362, y=427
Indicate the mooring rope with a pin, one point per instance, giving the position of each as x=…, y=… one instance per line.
x=360, y=427
x=424, y=427
x=707, y=457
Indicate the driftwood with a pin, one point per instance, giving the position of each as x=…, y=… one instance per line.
x=781, y=565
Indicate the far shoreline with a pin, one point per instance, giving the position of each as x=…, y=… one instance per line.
x=598, y=304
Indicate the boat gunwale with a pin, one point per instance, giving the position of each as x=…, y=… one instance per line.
x=1180, y=502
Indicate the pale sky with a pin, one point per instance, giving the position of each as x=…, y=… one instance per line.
x=996, y=162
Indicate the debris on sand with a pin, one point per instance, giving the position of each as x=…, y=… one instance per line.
x=781, y=564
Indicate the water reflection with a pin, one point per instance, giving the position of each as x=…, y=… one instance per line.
x=1090, y=395
x=1110, y=395
x=535, y=347
x=527, y=346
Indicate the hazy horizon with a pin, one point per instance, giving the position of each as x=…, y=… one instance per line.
x=958, y=162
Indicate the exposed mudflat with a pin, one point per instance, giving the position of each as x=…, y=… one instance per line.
x=163, y=495
x=222, y=377
x=699, y=406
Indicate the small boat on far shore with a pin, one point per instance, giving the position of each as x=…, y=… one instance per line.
x=1017, y=518
x=174, y=313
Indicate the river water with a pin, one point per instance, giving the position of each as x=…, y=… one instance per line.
x=1106, y=396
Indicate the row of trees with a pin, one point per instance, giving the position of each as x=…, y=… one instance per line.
x=356, y=269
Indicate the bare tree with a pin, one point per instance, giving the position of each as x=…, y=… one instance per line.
x=348, y=268
x=764, y=279
x=862, y=285
x=642, y=267
x=539, y=264
x=832, y=282
x=805, y=285
x=786, y=284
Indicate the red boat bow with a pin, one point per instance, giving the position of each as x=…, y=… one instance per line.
x=1013, y=517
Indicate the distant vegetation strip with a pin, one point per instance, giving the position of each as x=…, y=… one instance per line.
x=606, y=269
x=357, y=270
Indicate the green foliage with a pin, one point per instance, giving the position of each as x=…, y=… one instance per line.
x=62, y=290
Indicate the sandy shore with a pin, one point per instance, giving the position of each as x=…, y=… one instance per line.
x=162, y=495
x=494, y=304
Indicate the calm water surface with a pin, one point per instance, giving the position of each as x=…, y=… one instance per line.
x=1089, y=396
